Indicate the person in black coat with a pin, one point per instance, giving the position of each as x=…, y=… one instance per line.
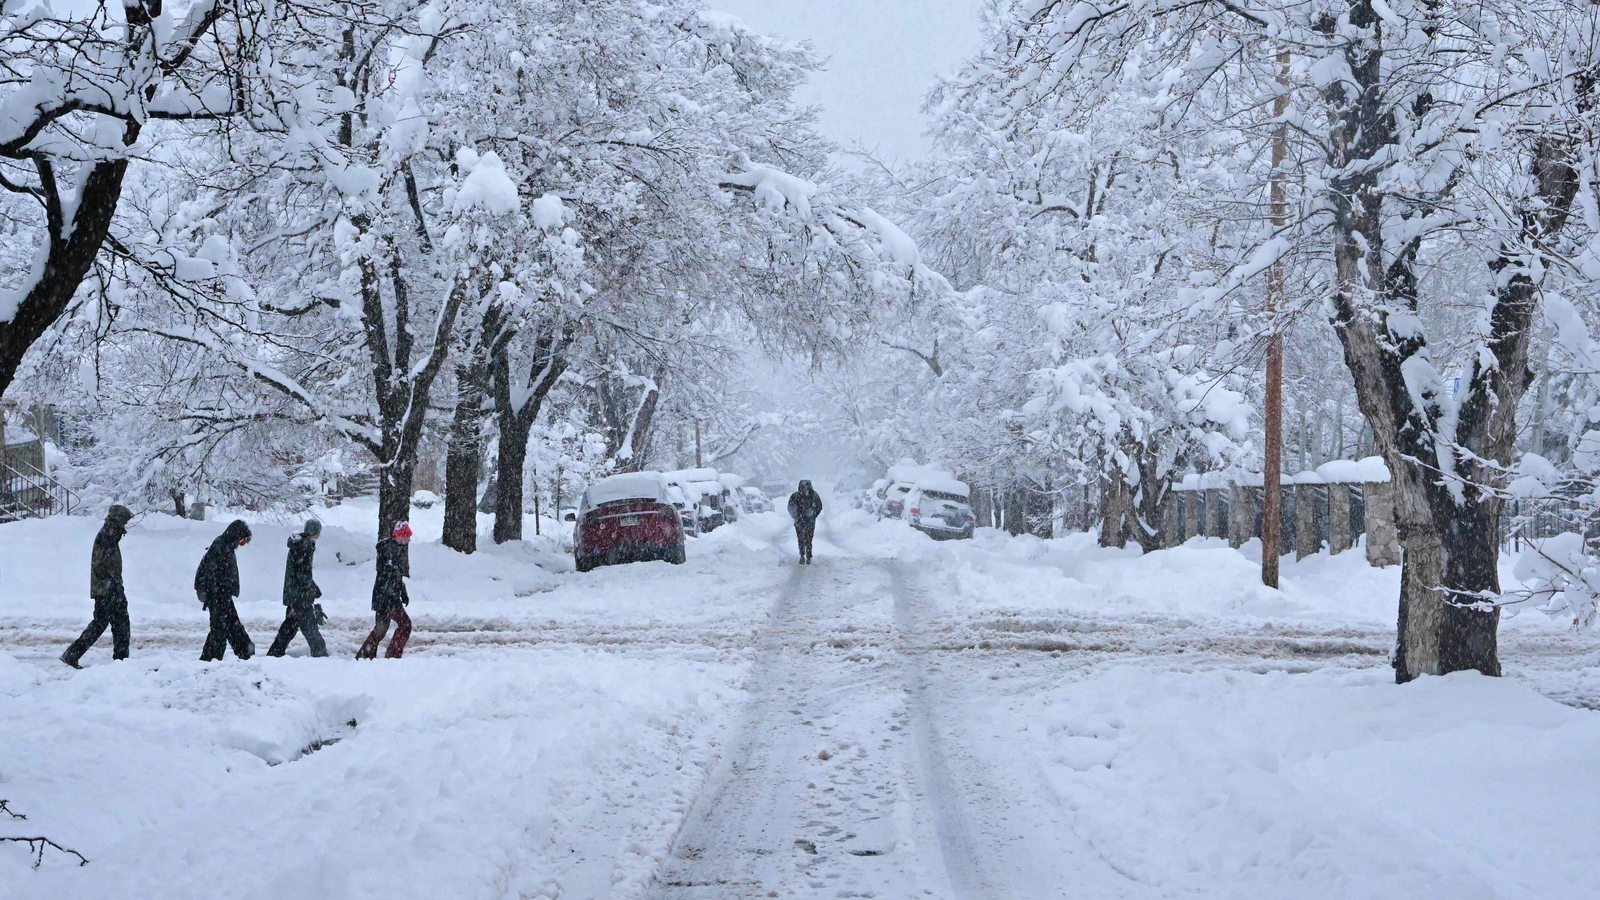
x=105, y=588
x=300, y=592
x=805, y=505
x=216, y=583
x=389, y=598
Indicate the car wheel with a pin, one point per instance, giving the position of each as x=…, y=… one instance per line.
x=584, y=565
x=676, y=555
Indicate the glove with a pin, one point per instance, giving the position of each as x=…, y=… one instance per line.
x=316, y=592
x=319, y=615
x=204, y=603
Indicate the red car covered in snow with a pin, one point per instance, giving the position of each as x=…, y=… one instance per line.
x=627, y=518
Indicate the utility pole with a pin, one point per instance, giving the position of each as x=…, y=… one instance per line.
x=697, y=454
x=1272, y=412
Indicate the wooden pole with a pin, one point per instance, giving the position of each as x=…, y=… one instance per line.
x=1272, y=413
x=697, y=457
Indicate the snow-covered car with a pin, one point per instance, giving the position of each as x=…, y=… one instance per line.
x=942, y=511
x=756, y=499
x=710, y=511
x=627, y=518
x=777, y=487
x=733, y=499
x=688, y=513
x=892, y=500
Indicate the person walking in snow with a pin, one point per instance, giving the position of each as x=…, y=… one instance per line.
x=301, y=611
x=805, y=505
x=105, y=588
x=389, y=598
x=216, y=583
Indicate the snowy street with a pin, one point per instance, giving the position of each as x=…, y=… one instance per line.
x=999, y=718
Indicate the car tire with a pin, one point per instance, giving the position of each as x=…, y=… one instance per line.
x=677, y=555
x=584, y=565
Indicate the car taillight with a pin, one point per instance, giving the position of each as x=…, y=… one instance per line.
x=970, y=517
x=915, y=511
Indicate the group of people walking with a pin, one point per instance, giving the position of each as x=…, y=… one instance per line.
x=216, y=584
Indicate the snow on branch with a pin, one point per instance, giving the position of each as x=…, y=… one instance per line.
x=38, y=843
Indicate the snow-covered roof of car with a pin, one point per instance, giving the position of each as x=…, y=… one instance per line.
x=627, y=486
x=753, y=491
x=731, y=480
x=707, y=487
x=930, y=478
x=685, y=476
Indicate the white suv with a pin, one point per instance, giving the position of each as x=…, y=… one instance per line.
x=940, y=514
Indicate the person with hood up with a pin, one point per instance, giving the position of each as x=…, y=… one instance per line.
x=301, y=611
x=105, y=588
x=805, y=505
x=216, y=583
x=389, y=598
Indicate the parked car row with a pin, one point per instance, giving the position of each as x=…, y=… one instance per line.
x=927, y=498
x=638, y=516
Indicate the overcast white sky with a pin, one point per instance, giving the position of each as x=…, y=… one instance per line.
x=882, y=57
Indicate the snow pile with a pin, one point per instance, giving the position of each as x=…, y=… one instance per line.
x=1368, y=470
x=1332, y=784
x=561, y=774
x=927, y=477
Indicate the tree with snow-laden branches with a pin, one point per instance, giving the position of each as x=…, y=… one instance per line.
x=83, y=93
x=1407, y=122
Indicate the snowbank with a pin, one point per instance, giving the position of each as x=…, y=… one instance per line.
x=558, y=774
x=1331, y=784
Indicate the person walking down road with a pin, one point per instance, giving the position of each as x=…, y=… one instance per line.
x=216, y=583
x=105, y=588
x=301, y=611
x=805, y=505
x=389, y=597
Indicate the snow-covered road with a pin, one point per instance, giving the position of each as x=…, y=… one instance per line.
x=992, y=719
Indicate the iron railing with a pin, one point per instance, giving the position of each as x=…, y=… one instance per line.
x=28, y=493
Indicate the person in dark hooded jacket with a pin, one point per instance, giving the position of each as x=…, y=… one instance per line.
x=216, y=583
x=805, y=505
x=300, y=592
x=105, y=588
x=389, y=597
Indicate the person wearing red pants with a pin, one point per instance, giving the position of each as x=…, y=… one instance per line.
x=389, y=598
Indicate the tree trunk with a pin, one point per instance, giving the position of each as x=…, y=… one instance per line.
x=1015, y=514
x=508, y=484
x=394, y=492
x=463, y=466
x=1116, y=505
x=548, y=361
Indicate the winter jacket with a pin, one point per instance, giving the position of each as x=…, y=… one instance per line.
x=218, y=575
x=389, y=587
x=105, y=564
x=299, y=589
x=805, y=505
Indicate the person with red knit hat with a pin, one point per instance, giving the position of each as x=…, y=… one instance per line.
x=389, y=599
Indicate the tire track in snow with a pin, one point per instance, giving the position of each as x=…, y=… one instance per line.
x=822, y=794
x=971, y=877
